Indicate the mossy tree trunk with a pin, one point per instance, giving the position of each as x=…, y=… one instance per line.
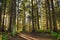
x=13, y=17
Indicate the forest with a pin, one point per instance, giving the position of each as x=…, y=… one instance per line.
x=29, y=16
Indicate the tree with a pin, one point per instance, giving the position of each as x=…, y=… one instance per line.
x=37, y=18
x=0, y=13
x=49, y=14
x=53, y=17
x=4, y=12
x=32, y=17
x=13, y=17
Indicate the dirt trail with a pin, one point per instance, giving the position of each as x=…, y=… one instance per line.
x=34, y=36
x=31, y=36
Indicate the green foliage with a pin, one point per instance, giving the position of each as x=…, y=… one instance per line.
x=58, y=36
x=48, y=30
x=55, y=34
x=5, y=36
x=40, y=31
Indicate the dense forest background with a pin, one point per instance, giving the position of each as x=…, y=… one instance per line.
x=30, y=15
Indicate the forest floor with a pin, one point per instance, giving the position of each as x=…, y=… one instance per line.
x=15, y=38
x=36, y=36
x=32, y=36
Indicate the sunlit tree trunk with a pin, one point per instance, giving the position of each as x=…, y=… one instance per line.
x=46, y=16
x=17, y=17
x=4, y=12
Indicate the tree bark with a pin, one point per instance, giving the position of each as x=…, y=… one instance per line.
x=12, y=27
x=37, y=15
x=32, y=17
x=53, y=17
x=4, y=12
x=49, y=13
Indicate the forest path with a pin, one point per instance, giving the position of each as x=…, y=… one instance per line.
x=36, y=36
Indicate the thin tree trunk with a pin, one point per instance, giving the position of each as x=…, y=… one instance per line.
x=24, y=18
x=1, y=7
x=0, y=17
x=46, y=16
x=37, y=15
x=17, y=16
x=0, y=20
x=32, y=17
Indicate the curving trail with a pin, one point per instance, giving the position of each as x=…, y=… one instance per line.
x=28, y=36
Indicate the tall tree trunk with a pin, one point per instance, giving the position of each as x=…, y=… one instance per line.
x=13, y=17
x=4, y=12
x=24, y=18
x=10, y=11
x=50, y=18
x=53, y=17
x=10, y=17
x=17, y=15
x=46, y=15
x=0, y=17
x=47, y=20
x=37, y=15
x=32, y=17
x=0, y=20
